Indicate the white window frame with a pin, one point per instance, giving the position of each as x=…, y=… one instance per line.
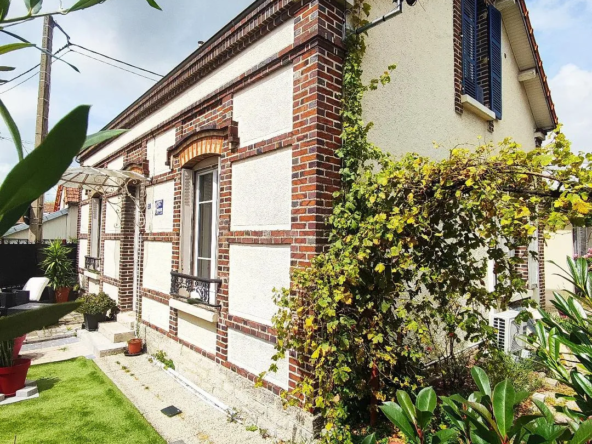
x=195, y=226
x=96, y=226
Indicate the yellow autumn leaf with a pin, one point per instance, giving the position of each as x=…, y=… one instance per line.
x=379, y=268
x=581, y=207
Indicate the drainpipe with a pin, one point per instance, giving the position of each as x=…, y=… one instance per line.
x=398, y=10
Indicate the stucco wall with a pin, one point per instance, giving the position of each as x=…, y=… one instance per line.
x=255, y=270
x=257, y=406
x=155, y=313
x=250, y=57
x=197, y=331
x=113, y=215
x=264, y=110
x=82, y=252
x=262, y=192
x=112, y=291
x=93, y=286
x=164, y=192
x=116, y=164
x=156, y=149
x=558, y=247
x=111, y=256
x=417, y=108
x=84, y=218
x=157, y=266
x=254, y=355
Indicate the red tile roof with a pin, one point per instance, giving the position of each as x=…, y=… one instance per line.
x=72, y=196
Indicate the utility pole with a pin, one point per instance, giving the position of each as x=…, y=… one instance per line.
x=42, y=124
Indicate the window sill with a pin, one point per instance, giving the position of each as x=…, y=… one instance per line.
x=194, y=310
x=471, y=104
x=92, y=275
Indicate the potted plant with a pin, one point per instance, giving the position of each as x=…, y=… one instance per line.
x=13, y=370
x=95, y=307
x=59, y=269
x=134, y=346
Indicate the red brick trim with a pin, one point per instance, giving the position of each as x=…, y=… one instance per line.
x=458, y=58
x=252, y=328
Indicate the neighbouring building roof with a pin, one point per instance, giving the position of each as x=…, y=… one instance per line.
x=66, y=196
x=48, y=207
x=46, y=218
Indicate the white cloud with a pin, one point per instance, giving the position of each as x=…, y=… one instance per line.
x=554, y=15
x=572, y=93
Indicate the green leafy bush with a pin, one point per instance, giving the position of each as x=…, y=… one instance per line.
x=95, y=304
x=487, y=416
x=565, y=347
x=522, y=372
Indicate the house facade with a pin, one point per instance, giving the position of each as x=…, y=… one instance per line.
x=236, y=147
x=468, y=73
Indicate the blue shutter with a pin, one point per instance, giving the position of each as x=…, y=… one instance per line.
x=469, y=47
x=495, y=60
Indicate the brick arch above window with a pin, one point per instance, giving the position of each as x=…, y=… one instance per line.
x=197, y=146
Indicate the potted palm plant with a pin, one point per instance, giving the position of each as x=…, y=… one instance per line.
x=13, y=369
x=95, y=307
x=59, y=269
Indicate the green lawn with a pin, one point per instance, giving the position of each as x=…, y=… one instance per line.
x=77, y=404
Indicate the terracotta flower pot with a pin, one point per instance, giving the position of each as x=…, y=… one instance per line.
x=18, y=344
x=134, y=346
x=13, y=378
x=62, y=294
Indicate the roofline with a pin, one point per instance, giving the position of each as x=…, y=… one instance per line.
x=185, y=62
x=539, y=62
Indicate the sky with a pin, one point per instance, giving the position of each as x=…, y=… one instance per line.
x=132, y=31
x=128, y=30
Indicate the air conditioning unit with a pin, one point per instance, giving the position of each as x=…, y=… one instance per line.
x=508, y=332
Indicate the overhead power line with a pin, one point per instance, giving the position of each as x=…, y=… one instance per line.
x=111, y=64
x=116, y=60
x=34, y=67
x=32, y=76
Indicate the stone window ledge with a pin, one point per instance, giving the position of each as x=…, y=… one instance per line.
x=194, y=310
x=471, y=104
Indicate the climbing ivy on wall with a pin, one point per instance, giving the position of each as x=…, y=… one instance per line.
x=410, y=243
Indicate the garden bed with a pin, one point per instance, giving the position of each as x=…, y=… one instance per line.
x=77, y=404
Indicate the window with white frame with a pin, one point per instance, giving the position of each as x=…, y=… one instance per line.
x=199, y=224
x=96, y=226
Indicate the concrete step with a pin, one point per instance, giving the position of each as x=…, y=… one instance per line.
x=116, y=332
x=127, y=318
x=100, y=345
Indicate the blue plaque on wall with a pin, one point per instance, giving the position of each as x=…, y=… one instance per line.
x=159, y=207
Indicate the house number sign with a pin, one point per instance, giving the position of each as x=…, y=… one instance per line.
x=159, y=205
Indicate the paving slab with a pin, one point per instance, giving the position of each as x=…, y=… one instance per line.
x=29, y=391
x=151, y=389
x=56, y=351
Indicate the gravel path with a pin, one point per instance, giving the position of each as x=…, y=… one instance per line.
x=151, y=389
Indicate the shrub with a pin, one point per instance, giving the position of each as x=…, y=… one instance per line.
x=94, y=304
x=522, y=372
x=58, y=268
